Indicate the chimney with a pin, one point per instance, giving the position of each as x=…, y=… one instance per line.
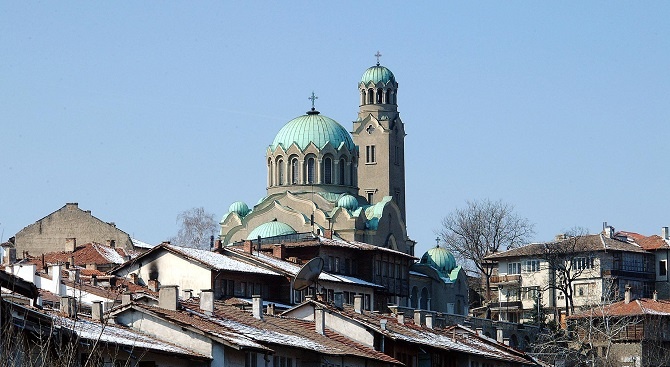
x=67, y=306
x=338, y=300
x=72, y=205
x=217, y=245
x=10, y=256
x=71, y=261
x=499, y=335
x=278, y=251
x=111, y=243
x=168, y=297
x=401, y=318
x=320, y=320
x=248, y=247
x=328, y=233
x=94, y=280
x=126, y=298
x=358, y=303
x=74, y=275
x=207, y=301
x=133, y=278
x=55, y=279
x=665, y=233
x=70, y=244
x=257, y=307
x=320, y=296
x=270, y=309
x=417, y=317
x=609, y=231
x=429, y=320
x=655, y=296
x=188, y=293
x=480, y=331
x=153, y=285
x=382, y=324
x=627, y=296
x=96, y=311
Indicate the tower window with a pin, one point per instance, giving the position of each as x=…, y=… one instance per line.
x=328, y=171
x=370, y=197
x=371, y=96
x=370, y=154
x=294, y=171
x=280, y=170
x=379, y=96
x=343, y=163
x=388, y=96
x=310, y=171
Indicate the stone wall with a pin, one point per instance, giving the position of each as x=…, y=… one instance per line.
x=64, y=229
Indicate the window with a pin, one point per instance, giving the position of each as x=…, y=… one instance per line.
x=582, y=263
x=530, y=266
x=328, y=171
x=310, y=171
x=370, y=197
x=586, y=289
x=342, y=168
x=331, y=263
x=282, y=362
x=251, y=359
x=337, y=264
x=379, y=267
x=366, y=302
x=530, y=293
x=347, y=266
x=663, y=268
x=280, y=169
x=514, y=268
x=294, y=171
x=370, y=154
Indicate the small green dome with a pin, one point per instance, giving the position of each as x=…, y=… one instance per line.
x=240, y=208
x=377, y=74
x=348, y=202
x=312, y=128
x=270, y=229
x=439, y=258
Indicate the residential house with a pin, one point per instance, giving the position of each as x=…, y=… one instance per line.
x=660, y=247
x=601, y=265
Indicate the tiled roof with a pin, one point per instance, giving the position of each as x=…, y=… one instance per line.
x=592, y=242
x=453, y=338
x=336, y=242
x=652, y=243
x=637, y=307
x=240, y=327
x=90, y=253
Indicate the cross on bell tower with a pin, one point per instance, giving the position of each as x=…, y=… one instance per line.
x=378, y=55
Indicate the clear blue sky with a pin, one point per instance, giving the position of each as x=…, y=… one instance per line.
x=139, y=110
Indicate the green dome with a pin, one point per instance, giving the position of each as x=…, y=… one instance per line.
x=439, y=258
x=240, y=208
x=377, y=74
x=312, y=128
x=270, y=229
x=348, y=202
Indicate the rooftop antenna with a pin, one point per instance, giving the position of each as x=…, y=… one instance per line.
x=308, y=274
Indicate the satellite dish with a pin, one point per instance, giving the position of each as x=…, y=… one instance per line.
x=308, y=274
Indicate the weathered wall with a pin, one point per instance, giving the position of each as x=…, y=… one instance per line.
x=51, y=233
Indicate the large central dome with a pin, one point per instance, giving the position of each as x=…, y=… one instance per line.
x=313, y=128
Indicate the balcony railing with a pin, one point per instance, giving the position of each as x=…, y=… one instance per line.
x=506, y=278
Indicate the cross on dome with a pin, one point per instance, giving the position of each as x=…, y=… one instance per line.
x=313, y=97
x=378, y=55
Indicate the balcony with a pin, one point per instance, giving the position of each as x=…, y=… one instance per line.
x=506, y=279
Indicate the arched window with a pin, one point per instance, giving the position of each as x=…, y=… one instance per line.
x=363, y=96
x=343, y=163
x=371, y=96
x=424, y=299
x=414, y=298
x=280, y=170
x=379, y=95
x=328, y=171
x=294, y=171
x=310, y=171
x=269, y=172
x=388, y=96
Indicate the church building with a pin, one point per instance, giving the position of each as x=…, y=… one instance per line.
x=322, y=178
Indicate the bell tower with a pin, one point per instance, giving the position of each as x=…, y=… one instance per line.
x=380, y=136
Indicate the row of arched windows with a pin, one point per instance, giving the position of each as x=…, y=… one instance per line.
x=379, y=96
x=311, y=171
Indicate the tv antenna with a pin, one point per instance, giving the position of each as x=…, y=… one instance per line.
x=308, y=274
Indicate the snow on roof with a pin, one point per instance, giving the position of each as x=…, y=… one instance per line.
x=218, y=261
x=112, y=333
x=140, y=244
x=293, y=269
x=109, y=253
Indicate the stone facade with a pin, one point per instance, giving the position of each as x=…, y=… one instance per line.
x=63, y=229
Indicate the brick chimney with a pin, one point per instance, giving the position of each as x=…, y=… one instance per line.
x=279, y=251
x=153, y=285
x=248, y=247
x=168, y=297
x=217, y=245
x=328, y=233
x=207, y=301
x=70, y=244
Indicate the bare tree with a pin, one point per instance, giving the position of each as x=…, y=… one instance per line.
x=568, y=259
x=196, y=226
x=482, y=228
